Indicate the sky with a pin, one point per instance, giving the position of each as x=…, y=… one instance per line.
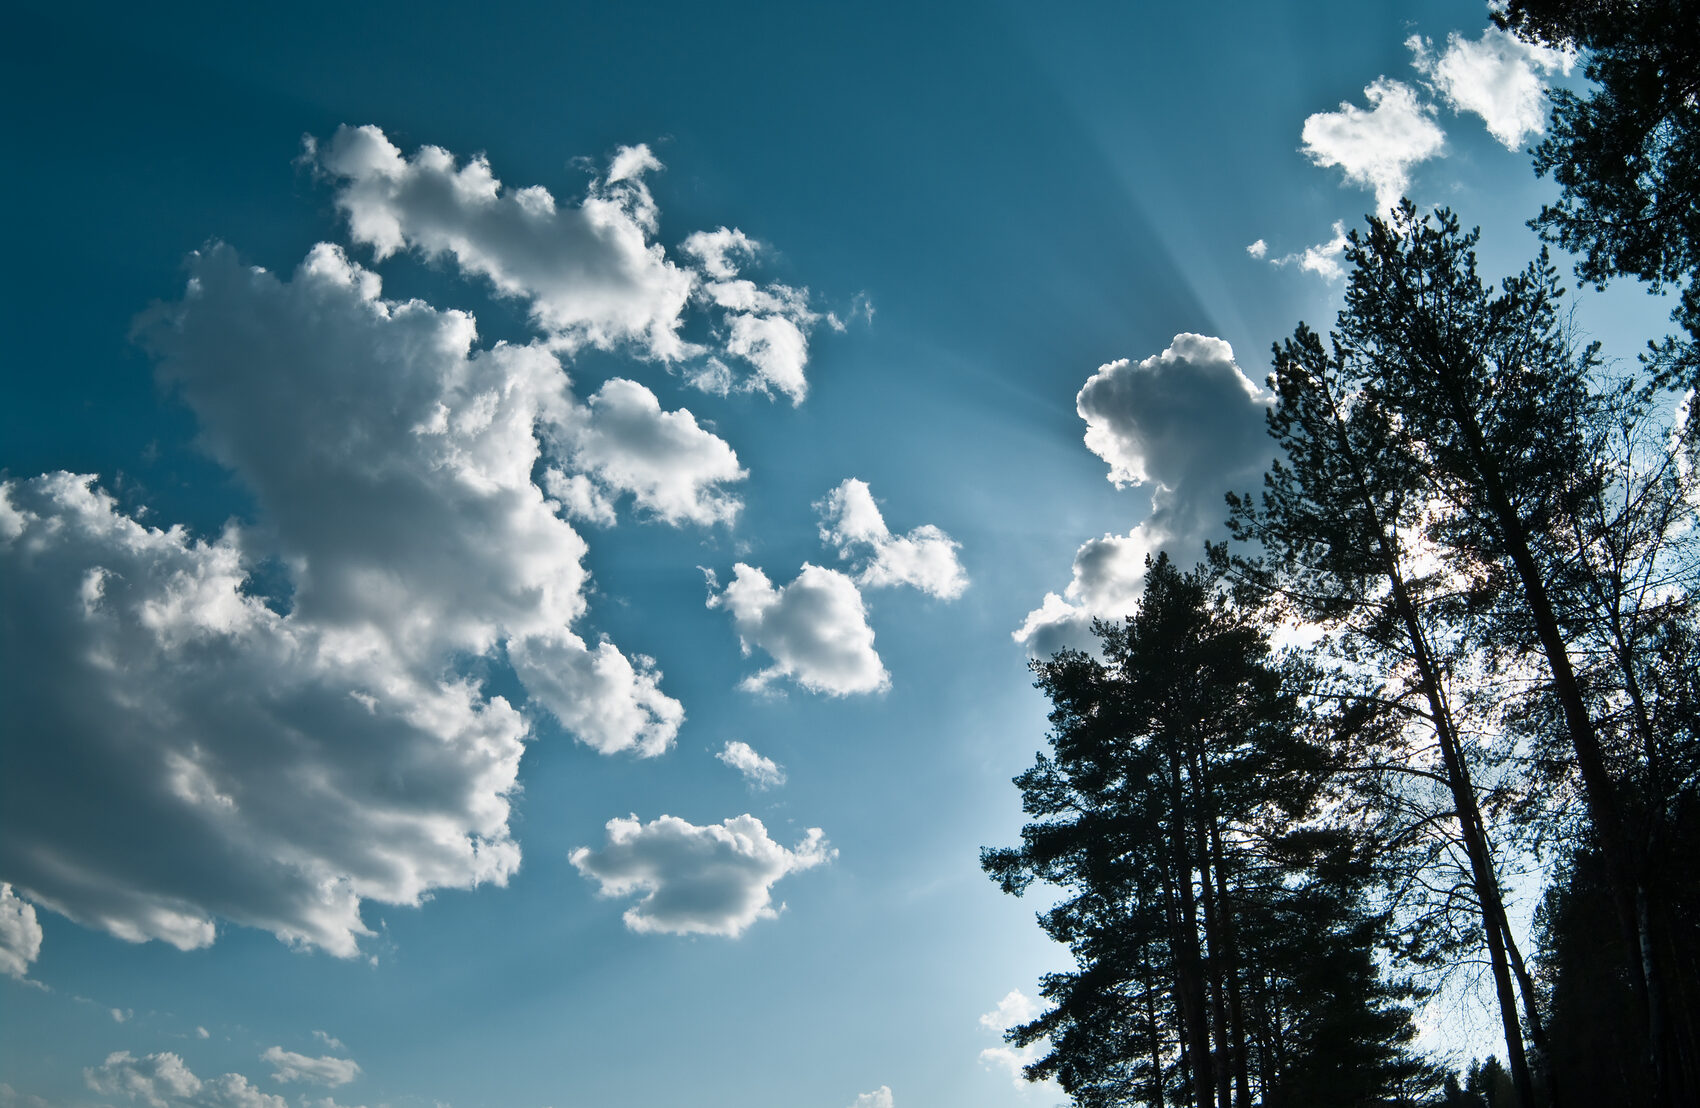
x=521, y=532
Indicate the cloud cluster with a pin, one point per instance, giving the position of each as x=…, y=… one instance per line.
x=711, y=880
x=163, y=1081
x=1499, y=77
x=286, y=706
x=765, y=325
x=760, y=772
x=815, y=629
x=20, y=934
x=1376, y=148
x=879, y=1098
x=591, y=272
x=1186, y=422
x=925, y=558
x=324, y=1070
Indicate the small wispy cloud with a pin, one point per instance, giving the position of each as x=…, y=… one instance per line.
x=763, y=773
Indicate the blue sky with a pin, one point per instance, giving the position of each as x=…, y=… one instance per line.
x=563, y=642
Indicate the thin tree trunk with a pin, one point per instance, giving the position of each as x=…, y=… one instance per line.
x=1482, y=876
x=1625, y=869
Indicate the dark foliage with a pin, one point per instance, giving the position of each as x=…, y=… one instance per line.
x=1627, y=155
x=1223, y=933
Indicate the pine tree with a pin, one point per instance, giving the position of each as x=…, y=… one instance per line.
x=1222, y=932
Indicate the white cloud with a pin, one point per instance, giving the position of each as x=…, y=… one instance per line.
x=202, y=1033
x=20, y=933
x=163, y=1081
x=815, y=629
x=718, y=251
x=326, y=1070
x=324, y=1037
x=713, y=880
x=1188, y=423
x=925, y=557
x=1376, y=148
x=285, y=768
x=879, y=1098
x=1324, y=259
x=296, y=753
x=591, y=271
x=1258, y=249
x=776, y=346
x=1016, y=1008
x=610, y=701
x=765, y=325
x=763, y=773
x=671, y=465
x=121, y=1015
x=1498, y=77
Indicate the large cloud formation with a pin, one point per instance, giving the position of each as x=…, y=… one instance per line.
x=1186, y=422
x=713, y=880
x=286, y=707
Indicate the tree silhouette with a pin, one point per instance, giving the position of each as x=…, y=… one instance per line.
x=1222, y=929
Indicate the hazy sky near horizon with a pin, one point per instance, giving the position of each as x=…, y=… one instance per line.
x=521, y=532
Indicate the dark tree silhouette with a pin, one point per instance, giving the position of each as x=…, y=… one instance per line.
x=1222, y=929
x=1627, y=155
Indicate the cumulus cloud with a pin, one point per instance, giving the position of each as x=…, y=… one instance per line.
x=1258, y=249
x=163, y=1081
x=763, y=773
x=924, y=558
x=324, y=1037
x=20, y=933
x=612, y=702
x=815, y=629
x=1376, y=148
x=285, y=768
x=298, y=740
x=711, y=880
x=591, y=271
x=879, y=1098
x=325, y=1070
x=673, y=467
x=1188, y=423
x=1499, y=77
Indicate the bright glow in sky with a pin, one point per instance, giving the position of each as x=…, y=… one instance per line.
x=521, y=531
